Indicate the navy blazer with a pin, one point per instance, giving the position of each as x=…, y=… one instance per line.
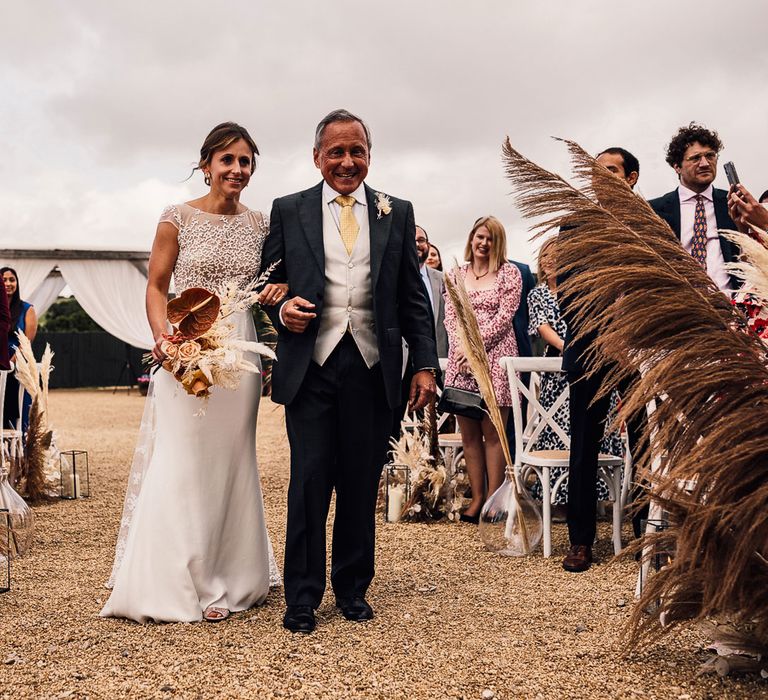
x=520, y=321
x=400, y=306
x=667, y=207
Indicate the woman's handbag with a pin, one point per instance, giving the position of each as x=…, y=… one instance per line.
x=460, y=402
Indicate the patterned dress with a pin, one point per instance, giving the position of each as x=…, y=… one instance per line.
x=495, y=310
x=543, y=308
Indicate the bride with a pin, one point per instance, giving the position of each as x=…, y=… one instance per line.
x=193, y=543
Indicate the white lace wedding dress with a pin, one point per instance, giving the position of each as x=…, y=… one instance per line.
x=193, y=533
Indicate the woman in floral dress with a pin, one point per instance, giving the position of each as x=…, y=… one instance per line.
x=494, y=287
x=547, y=323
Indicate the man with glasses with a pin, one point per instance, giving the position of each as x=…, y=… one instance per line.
x=696, y=210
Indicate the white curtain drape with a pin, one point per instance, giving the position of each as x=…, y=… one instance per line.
x=112, y=293
x=46, y=293
x=32, y=273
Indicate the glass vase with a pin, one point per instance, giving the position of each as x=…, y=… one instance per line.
x=510, y=521
x=21, y=519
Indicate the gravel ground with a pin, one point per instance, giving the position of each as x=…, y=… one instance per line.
x=453, y=621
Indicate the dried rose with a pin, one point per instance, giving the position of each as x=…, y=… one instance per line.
x=195, y=310
x=196, y=384
x=169, y=349
x=189, y=351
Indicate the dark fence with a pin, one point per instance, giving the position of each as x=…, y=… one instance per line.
x=89, y=359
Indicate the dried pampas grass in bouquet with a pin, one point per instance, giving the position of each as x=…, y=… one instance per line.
x=510, y=521
x=38, y=477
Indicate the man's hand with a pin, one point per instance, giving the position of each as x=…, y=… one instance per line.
x=745, y=210
x=423, y=388
x=296, y=314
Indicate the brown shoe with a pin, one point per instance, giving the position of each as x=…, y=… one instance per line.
x=579, y=558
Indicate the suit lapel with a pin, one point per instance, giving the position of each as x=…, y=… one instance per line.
x=311, y=217
x=674, y=212
x=434, y=282
x=379, y=234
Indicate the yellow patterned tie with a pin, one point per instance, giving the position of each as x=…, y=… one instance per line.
x=348, y=226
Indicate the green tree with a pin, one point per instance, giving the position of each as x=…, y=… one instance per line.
x=66, y=314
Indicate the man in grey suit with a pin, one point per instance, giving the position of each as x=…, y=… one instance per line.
x=433, y=289
x=434, y=286
x=346, y=252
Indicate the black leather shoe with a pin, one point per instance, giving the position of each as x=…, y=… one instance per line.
x=299, y=618
x=355, y=609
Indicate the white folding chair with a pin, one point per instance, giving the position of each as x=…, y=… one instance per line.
x=529, y=459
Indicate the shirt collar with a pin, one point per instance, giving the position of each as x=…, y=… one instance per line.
x=329, y=194
x=687, y=195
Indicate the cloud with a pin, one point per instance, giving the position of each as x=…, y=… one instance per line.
x=106, y=104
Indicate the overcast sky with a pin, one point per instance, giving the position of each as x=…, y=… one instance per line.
x=104, y=105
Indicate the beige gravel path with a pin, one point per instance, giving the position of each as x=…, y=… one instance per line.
x=453, y=621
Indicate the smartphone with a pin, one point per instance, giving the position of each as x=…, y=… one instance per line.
x=730, y=173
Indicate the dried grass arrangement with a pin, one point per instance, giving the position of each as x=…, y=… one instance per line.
x=430, y=498
x=474, y=349
x=655, y=311
x=38, y=478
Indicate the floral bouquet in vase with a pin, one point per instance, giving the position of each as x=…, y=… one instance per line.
x=203, y=350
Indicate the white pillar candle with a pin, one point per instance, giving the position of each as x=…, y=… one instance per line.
x=396, y=503
x=72, y=482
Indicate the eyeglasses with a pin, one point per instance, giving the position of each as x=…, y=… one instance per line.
x=710, y=156
x=421, y=240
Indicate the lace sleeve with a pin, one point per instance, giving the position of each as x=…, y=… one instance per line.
x=171, y=215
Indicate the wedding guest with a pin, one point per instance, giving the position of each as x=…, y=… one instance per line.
x=434, y=287
x=547, y=322
x=494, y=287
x=588, y=413
x=524, y=346
x=23, y=318
x=695, y=210
x=745, y=210
x=434, y=259
x=5, y=327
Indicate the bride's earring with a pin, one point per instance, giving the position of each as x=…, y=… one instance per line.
x=207, y=179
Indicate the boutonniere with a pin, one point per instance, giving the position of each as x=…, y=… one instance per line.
x=383, y=204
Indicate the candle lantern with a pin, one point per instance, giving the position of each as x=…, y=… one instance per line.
x=397, y=491
x=75, y=482
x=5, y=550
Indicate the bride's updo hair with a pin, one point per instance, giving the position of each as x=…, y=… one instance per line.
x=221, y=137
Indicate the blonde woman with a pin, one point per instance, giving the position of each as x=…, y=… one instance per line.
x=494, y=287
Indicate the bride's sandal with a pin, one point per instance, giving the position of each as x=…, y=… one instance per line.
x=213, y=614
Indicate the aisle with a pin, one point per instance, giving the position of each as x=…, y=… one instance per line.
x=453, y=621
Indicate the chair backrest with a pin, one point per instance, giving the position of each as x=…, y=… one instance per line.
x=539, y=417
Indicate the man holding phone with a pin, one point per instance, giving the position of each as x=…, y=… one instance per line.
x=745, y=210
x=696, y=210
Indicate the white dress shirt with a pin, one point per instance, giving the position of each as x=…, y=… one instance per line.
x=428, y=284
x=359, y=208
x=715, y=263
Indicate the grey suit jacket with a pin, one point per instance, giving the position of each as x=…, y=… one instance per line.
x=438, y=310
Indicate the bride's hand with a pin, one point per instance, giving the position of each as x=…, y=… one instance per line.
x=272, y=294
x=157, y=353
